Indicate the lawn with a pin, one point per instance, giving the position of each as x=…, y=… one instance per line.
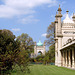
x=47, y=70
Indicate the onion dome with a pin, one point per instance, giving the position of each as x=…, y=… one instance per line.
x=56, y=21
x=59, y=12
x=39, y=43
x=73, y=15
x=56, y=15
x=59, y=9
x=67, y=19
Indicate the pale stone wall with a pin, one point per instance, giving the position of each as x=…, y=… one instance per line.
x=64, y=41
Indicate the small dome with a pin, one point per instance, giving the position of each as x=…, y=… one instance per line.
x=73, y=15
x=39, y=43
x=67, y=19
x=59, y=9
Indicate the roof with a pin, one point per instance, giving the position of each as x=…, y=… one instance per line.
x=39, y=43
x=67, y=19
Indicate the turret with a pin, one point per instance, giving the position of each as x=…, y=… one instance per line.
x=59, y=10
x=56, y=23
x=59, y=15
x=73, y=17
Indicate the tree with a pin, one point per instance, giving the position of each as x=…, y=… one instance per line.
x=50, y=34
x=39, y=58
x=26, y=42
x=50, y=55
x=52, y=52
x=26, y=48
x=9, y=49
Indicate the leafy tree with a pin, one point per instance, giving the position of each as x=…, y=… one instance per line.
x=52, y=52
x=50, y=55
x=39, y=58
x=26, y=48
x=9, y=49
x=26, y=42
x=50, y=34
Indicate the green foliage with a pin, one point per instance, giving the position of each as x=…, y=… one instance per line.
x=14, y=52
x=9, y=49
x=50, y=34
x=26, y=47
x=50, y=55
x=39, y=58
x=26, y=42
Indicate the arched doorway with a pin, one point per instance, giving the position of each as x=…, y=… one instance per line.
x=39, y=53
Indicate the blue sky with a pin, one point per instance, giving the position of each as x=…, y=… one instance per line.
x=32, y=16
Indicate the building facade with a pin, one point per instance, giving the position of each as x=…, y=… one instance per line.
x=64, y=40
x=39, y=48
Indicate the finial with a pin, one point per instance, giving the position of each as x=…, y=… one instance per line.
x=56, y=12
x=59, y=5
x=39, y=38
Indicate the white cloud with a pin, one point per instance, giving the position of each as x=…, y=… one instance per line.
x=16, y=29
x=11, y=8
x=53, y=3
x=28, y=19
x=44, y=35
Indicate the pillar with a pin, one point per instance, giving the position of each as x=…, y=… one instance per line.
x=63, y=59
x=59, y=52
x=73, y=63
x=56, y=56
x=56, y=53
x=66, y=58
x=69, y=65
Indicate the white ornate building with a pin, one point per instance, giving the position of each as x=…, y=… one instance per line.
x=39, y=48
x=64, y=40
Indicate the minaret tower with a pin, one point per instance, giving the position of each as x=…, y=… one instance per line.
x=58, y=37
x=59, y=15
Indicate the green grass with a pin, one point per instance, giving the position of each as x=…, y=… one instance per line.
x=47, y=70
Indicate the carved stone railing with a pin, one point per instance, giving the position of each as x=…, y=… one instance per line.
x=69, y=41
x=68, y=25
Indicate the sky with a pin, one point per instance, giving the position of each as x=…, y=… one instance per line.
x=32, y=16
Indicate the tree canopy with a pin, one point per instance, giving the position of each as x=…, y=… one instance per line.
x=14, y=52
x=50, y=34
x=9, y=49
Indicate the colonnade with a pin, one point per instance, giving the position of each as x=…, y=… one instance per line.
x=68, y=58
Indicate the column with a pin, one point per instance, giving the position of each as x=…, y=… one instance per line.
x=56, y=53
x=73, y=64
x=66, y=58
x=55, y=58
x=69, y=65
x=59, y=52
x=63, y=59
